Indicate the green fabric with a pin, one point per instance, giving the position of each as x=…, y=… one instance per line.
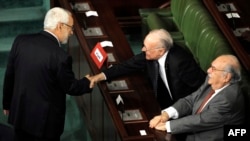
x=154, y=21
x=144, y=12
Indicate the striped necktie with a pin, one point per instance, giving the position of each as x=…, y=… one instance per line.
x=208, y=96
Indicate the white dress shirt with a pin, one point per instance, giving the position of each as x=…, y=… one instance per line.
x=162, y=71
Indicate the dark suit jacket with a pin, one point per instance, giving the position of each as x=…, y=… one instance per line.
x=38, y=76
x=226, y=108
x=183, y=73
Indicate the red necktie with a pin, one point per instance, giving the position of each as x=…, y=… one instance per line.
x=204, y=101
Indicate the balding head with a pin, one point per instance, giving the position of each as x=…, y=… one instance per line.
x=224, y=69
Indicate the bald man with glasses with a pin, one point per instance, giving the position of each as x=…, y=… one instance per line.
x=202, y=115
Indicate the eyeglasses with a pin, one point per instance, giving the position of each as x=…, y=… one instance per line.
x=72, y=28
x=151, y=48
x=215, y=69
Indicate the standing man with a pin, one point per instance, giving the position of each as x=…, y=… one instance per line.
x=172, y=70
x=202, y=115
x=37, y=79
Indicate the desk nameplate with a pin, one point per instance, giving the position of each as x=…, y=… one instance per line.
x=94, y=32
x=119, y=86
x=133, y=116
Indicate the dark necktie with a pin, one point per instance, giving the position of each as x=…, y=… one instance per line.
x=211, y=92
x=160, y=89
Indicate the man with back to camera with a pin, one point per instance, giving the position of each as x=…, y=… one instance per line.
x=202, y=117
x=38, y=77
x=178, y=72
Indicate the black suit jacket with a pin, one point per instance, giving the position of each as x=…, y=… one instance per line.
x=38, y=77
x=183, y=73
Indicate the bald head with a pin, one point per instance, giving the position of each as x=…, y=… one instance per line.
x=224, y=69
x=161, y=36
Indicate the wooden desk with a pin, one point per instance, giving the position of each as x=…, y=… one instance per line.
x=99, y=109
x=232, y=28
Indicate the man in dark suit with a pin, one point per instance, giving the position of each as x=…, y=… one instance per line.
x=172, y=70
x=203, y=117
x=38, y=77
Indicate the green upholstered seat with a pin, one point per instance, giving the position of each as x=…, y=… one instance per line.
x=144, y=12
x=154, y=21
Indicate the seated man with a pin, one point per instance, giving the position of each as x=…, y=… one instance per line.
x=206, y=121
x=172, y=70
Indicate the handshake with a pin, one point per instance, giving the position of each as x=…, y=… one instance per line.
x=95, y=79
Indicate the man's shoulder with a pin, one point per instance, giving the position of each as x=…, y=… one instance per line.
x=180, y=52
x=25, y=36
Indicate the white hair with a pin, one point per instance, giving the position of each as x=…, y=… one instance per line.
x=54, y=16
x=163, y=36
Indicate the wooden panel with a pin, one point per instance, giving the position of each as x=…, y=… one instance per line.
x=229, y=26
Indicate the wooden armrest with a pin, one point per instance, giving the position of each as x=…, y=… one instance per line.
x=165, y=5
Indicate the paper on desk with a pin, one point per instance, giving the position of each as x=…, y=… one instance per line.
x=119, y=100
x=232, y=15
x=106, y=44
x=91, y=13
x=143, y=132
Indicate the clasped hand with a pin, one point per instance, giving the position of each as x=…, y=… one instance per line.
x=95, y=79
x=159, y=121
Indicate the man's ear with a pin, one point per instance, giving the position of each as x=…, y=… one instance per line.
x=228, y=77
x=59, y=26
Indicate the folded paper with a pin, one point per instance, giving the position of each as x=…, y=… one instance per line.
x=91, y=13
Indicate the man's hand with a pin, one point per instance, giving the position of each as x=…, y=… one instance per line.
x=95, y=79
x=155, y=121
x=158, y=120
x=161, y=126
x=6, y=112
x=164, y=117
x=89, y=78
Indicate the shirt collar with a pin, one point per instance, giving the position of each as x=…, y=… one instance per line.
x=162, y=59
x=218, y=90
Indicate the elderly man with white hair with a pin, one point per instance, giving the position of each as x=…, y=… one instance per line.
x=38, y=77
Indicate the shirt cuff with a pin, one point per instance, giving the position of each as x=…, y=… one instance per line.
x=105, y=78
x=168, y=127
x=172, y=112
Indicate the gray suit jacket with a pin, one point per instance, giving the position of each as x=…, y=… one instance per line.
x=226, y=108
